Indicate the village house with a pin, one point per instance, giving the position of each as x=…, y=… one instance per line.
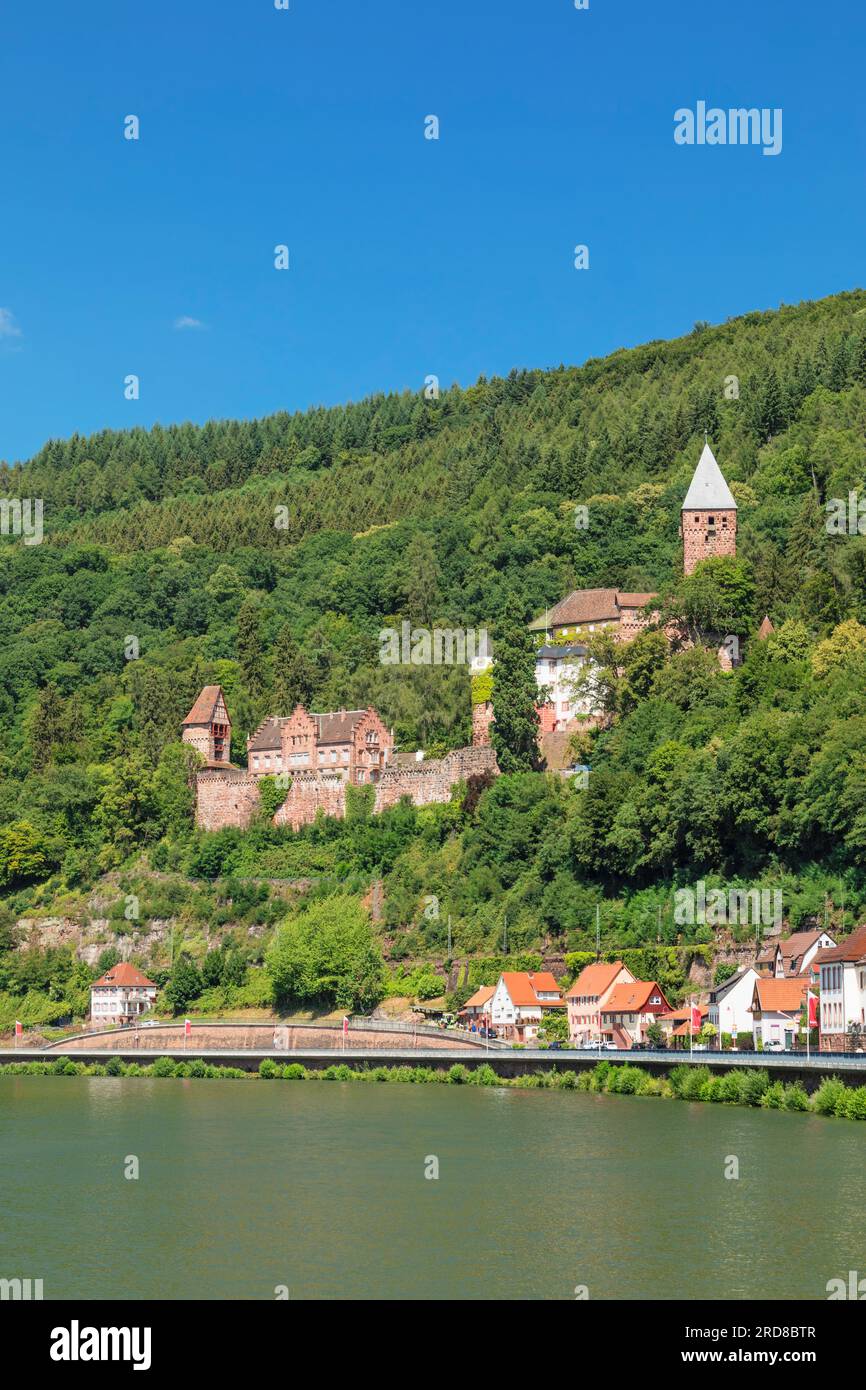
x=477, y=1008
x=843, y=994
x=681, y=1026
x=590, y=991
x=777, y=1007
x=585, y=611
x=794, y=956
x=520, y=1001
x=730, y=1004
x=629, y=1010
x=121, y=995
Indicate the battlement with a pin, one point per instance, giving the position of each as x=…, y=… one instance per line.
x=230, y=796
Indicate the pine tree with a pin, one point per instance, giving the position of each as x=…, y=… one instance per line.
x=47, y=727
x=250, y=646
x=292, y=682
x=422, y=580
x=515, y=729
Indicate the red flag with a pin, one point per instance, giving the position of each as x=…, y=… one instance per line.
x=813, y=1010
x=696, y=1018
x=18, y=1029
x=345, y=1025
x=187, y=1027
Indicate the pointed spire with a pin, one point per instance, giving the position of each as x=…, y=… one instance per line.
x=766, y=629
x=708, y=489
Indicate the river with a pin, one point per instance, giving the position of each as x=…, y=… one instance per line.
x=319, y=1188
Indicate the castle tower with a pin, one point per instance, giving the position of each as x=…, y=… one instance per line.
x=207, y=726
x=708, y=522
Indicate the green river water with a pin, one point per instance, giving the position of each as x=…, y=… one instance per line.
x=321, y=1187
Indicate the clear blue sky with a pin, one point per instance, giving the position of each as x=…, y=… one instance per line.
x=408, y=256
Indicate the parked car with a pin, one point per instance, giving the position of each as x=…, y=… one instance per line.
x=774, y=1046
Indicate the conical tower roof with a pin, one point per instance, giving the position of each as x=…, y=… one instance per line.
x=708, y=490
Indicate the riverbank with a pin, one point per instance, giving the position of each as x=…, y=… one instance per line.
x=696, y=1083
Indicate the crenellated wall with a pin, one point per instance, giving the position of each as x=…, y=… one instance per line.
x=225, y=796
x=230, y=796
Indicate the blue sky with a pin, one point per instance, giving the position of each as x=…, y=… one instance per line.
x=408, y=256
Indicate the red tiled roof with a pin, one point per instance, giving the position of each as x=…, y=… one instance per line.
x=122, y=974
x=852, y=948
x=631, y=999
x=634, y=600
x=580, y=606
x=543, y=980
x=337, y=727
x=594, y=979
x=481, y=996
x=519, y=986
x=781, y=996
x=205, y=704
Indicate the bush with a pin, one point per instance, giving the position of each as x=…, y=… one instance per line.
x=114, y=1067
x=754, y=1084
x=853, y=1105
x=829, y=1095
x=485, y=1076
x=294, y=1071
x=774, y=1096
x=458, y=1075
x=796, y=1097
x=164, y=1066
x=267, y=1068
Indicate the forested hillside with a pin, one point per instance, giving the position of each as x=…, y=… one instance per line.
x=267, y=555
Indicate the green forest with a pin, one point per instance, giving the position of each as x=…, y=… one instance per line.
x=267, y=555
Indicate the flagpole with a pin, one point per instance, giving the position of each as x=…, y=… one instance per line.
x=691, y=1026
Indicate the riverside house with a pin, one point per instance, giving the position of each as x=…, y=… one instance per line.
x=590, y=991
x=630, y=1009
x=519, y=1003
x=730, y=1008
x=121, y=995
x=843, y=993
x=776, y=1012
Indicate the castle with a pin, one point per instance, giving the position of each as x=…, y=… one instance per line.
x=708, y=527
x=315, y=757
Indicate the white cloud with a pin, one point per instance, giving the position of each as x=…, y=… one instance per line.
x=8, y=327
x=186, y=322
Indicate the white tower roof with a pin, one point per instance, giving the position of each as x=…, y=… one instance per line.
x=708, y=489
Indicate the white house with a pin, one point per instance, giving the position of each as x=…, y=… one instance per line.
x=777, y=1010
x=121, y=995
x=558, y=669
x=730, y=1009
x=843, y=992
x=794, y=956
x=519, y=1003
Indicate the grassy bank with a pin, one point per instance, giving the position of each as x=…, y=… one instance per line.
x=737, y=1087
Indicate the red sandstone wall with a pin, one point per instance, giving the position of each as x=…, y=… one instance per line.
x=258, y=1037
x=697, y=545
x=224, y=798
x=482, y=718
x=309, y=793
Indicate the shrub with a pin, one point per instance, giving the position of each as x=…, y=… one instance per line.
x=164, y=1066
x=294, y=1071
x=268, y=1068
x=458, y=1075
x=796, y=1097
x=198, y=1068
x=114, y=1067
x=854, y=1105
x=774, y=1096
x=828, y=1096
x=755, y=1083
x=485, y=1076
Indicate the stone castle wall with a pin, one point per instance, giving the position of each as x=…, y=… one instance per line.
x=230, y=796
x=225, y=796
x=427, y=782
x=309, y=793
